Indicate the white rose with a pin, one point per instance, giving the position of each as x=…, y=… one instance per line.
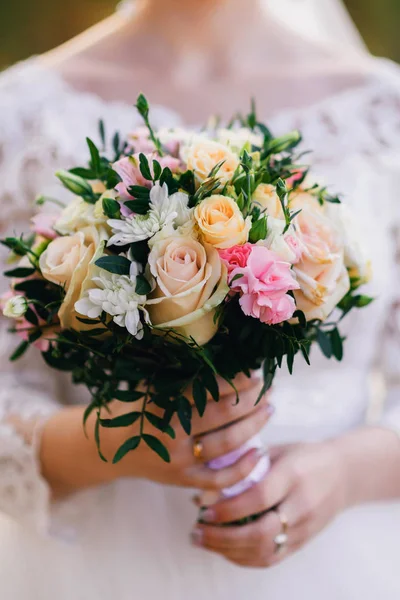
x=355, y=254
x=15, y=307
x=79, y=214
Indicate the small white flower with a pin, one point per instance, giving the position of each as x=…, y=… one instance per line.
x=164, y=211
x=16, y=307
x=116, y=295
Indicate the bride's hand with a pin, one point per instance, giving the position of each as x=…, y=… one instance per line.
x=225, y=427
x=306, y=483
x=70, y=460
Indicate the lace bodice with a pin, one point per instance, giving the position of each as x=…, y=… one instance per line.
x=356, y=139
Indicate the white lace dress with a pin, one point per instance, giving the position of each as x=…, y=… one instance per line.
x=129, y=540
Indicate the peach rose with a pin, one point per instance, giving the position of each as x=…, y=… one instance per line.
x=191, y=281
x=221, y=222
x=62, y=256
x=203, y=156
x=80, y=277
x=321, y=271
x=266, y=197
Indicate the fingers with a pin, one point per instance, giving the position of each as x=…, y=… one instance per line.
x=206, y=479
x=248, y=545
x=267, y=494
x=226, y=411
x=221, y=442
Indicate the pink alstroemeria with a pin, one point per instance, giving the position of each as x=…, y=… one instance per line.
x=43, y=224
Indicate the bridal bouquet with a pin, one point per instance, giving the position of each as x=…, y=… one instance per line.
x=183, y=257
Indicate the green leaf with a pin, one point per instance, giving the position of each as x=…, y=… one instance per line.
x=114, y=264
x=158, y=447
x=84, y=173
x=97, y=439
x=214, y=171
x=210, y=382
x=157, y=169
x=301, y=317
x=258, y=230
x=89, y=321
x=284, y=143
x=34, y=336
x=160, y=424
x=140, y=206
x=102, y=132
x=199, y=396
x=185, y=414
x=31, y=317
x=325, y=343
x=22, y=348
x=111, y=208
x=145, y=167
x=187, y=182
x=269, y=369
x=20, y=272
x=126, y=447
x=139, y=251
x=143, y=287
x=337, y=344
x=290, y=356
x=363, y=301
x=121, y=421
x=87, y=413
x=127, y=396
x=95, y=156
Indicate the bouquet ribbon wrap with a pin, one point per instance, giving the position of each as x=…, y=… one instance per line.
x=257, y=474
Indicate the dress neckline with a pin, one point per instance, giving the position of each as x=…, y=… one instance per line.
x=383, y=72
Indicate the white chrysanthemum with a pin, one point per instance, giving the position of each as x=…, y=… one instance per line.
x=15, y=307
x=164, y=211
x=115, y=295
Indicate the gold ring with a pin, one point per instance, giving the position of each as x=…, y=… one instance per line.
x=281, y=540
x=284, y=521
x=197, y=449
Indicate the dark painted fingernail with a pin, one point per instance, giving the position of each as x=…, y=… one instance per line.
x=207, y=515
x=197, y=537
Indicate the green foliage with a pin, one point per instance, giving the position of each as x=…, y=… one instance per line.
x=118, y=265
x=158, y=370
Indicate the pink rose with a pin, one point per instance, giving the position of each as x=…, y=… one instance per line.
x=43, y=224
x=128, y=168
x=264, y=283
x=235, y=257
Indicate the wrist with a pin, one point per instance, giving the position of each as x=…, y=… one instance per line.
x=370, y=465
x=69, y=460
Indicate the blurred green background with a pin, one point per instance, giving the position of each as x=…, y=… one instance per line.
x=33, y=26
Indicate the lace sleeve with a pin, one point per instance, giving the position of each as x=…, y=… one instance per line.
x=43, y=124
x=355, y=137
